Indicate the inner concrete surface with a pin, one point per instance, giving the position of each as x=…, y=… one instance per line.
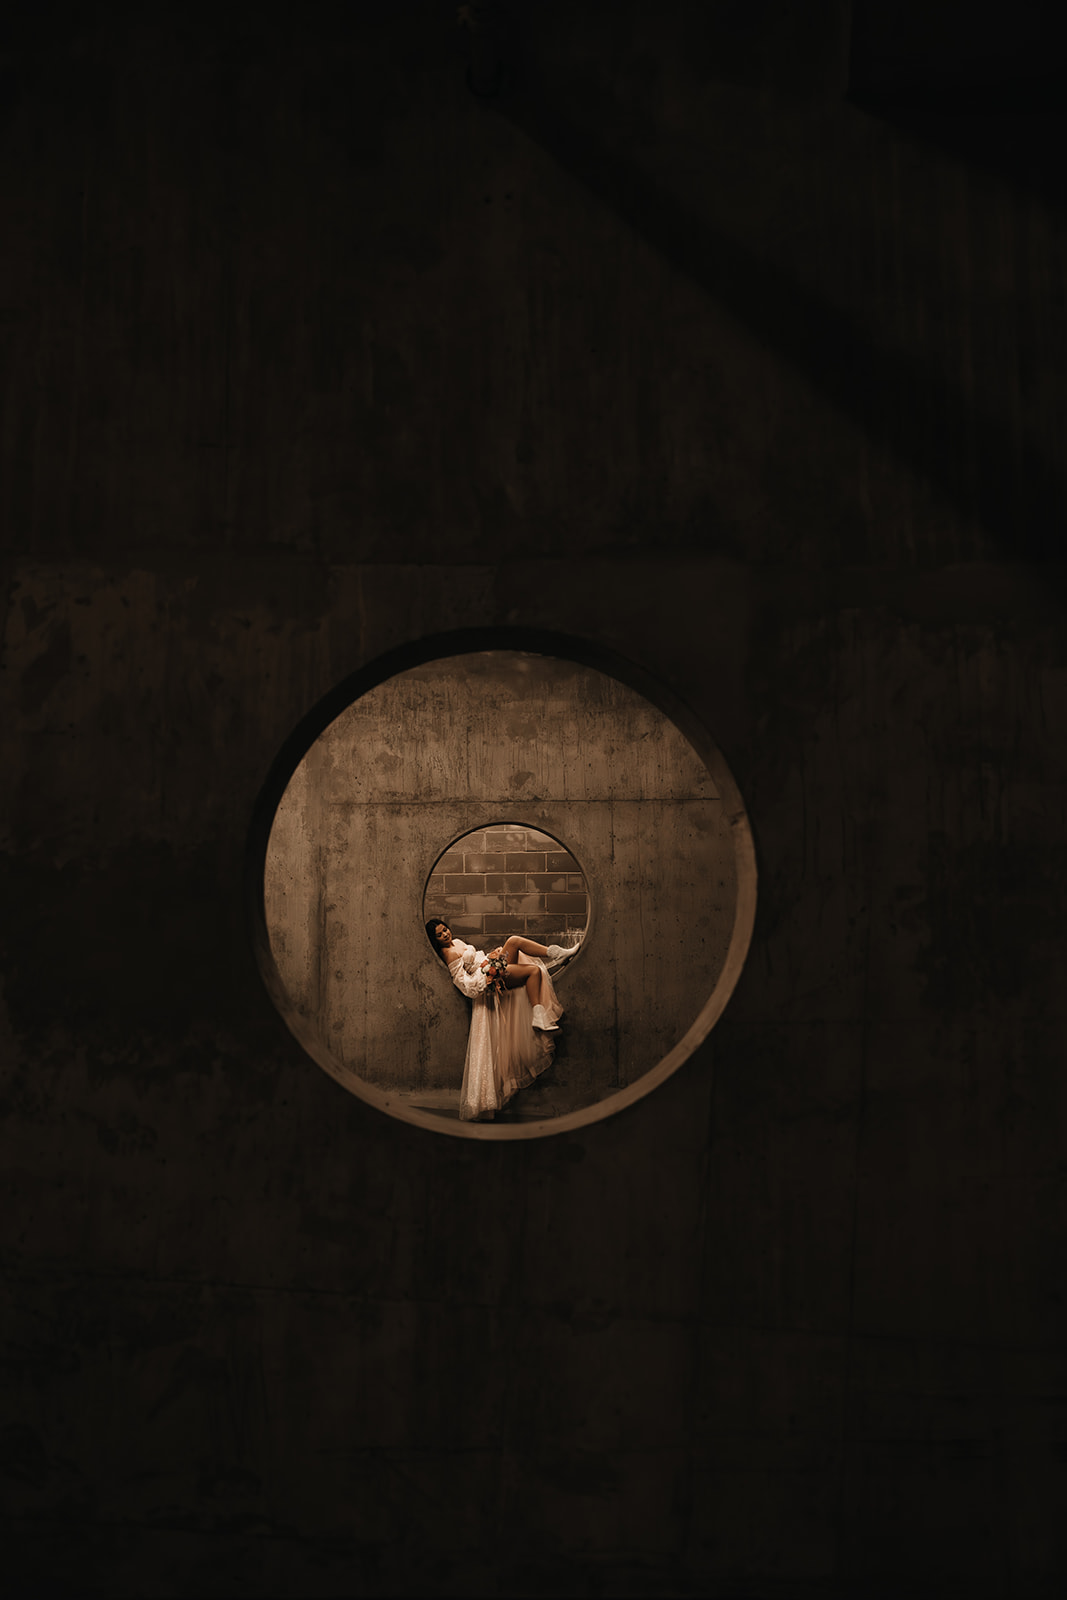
x=678, y=345
x=402, y=774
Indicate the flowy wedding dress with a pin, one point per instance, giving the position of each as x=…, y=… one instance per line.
x=505, y=1052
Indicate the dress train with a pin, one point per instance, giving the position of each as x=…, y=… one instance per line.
x=506, y=1052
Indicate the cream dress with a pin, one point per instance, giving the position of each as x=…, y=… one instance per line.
x=505, y=1052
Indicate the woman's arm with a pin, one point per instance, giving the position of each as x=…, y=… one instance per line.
x=472, y=984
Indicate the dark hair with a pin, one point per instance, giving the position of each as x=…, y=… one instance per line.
x=431, y=926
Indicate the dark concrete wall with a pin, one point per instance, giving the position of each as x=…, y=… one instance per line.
x=308, y=353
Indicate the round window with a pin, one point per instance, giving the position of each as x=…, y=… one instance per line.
x=507, y=878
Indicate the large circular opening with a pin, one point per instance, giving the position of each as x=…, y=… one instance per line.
x=530, y=795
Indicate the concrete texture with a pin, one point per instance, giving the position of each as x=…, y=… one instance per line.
x=403, y=773
x=309, y=354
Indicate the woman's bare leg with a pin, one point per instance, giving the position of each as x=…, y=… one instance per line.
x=516, y=976
x=528, y=947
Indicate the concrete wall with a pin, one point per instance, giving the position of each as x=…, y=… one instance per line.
x=308, y=353
x=500, y=735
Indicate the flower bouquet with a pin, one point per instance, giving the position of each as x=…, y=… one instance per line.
x=495, y=969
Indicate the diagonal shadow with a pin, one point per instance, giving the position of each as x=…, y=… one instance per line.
x=984, y=81
x=968, y=457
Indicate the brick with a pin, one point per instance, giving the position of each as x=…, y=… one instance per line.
x=505, y=838
x=524, y=904
x=566, y=902
x=505, y=882
x=561, y=861
x=523, y=861
x=465, y=883
x=480, y=904
x=545, y=882
x=451, y=861
x=496, y=924
x=490, y=861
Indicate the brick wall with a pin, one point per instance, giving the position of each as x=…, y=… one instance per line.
x=502, y=880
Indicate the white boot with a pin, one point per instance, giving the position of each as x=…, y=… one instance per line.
x=540, y=1020
x=556, y=952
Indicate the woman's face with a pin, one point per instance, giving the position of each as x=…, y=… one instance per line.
x=442, y=933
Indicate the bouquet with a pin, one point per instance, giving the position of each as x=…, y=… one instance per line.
x=495, y=970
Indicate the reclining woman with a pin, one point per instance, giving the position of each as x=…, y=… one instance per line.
x=514, y=1013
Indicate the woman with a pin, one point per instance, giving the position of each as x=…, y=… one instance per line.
x=510, y=1041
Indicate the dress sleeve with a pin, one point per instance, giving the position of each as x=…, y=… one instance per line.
x=469, y=984
x=466, y=974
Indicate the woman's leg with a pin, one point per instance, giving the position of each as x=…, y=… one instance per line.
x=529, y=947
x=554, y=953
x=516, y=976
